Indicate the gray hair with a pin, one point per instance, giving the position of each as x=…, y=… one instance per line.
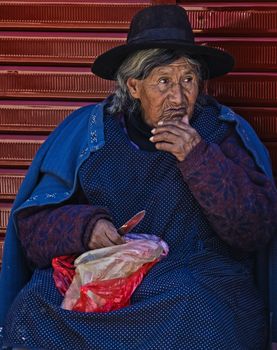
x=138, y=66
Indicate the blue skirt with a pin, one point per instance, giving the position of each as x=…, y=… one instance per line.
x=198, y=305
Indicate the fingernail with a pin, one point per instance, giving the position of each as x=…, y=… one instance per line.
x=185, y=118
x=160, y=122
x=153, y=131
x=151, y=138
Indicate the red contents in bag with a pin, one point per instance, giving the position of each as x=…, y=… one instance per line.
x=104, y=279
x=111, y=294
x=64, y=271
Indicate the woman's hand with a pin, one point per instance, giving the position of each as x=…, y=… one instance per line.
x=104, y=234
x=176, y=137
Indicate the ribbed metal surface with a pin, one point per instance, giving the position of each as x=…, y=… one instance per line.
x=245, y=90
x=18, y=152
x=35, y=119
x=4, y=217
x=249, y=56
x=205, y=2
x=54, y=50
x=53, y=85
x=65, y=15
x=227, y=20
x=9, y=185
x=263, y=120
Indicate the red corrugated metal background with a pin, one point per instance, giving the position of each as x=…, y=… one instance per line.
x=46, y=48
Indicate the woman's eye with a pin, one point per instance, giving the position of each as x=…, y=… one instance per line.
x=163, y=81
x=187, y=79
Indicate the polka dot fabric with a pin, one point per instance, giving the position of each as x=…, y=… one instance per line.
x=199, y=297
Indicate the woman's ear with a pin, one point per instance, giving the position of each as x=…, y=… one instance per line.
x=134, y=87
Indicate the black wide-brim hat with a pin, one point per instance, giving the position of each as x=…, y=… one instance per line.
x=162, y=26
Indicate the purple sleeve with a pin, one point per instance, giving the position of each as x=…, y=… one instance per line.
x=51, y=232
x=239, y=201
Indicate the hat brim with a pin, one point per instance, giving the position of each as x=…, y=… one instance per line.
x=217, y=61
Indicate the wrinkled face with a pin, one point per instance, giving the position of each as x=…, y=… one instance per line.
x=169, y=92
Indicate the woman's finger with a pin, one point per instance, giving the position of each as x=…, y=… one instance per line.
x=179, y=146
x=104, y=234
x=173, y=137
x=112, y=234
x=165, y=136
x=183, y=123
x=167, y=147
x=170, y=128
x=115, y=237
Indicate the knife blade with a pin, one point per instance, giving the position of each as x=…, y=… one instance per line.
x=131, y=223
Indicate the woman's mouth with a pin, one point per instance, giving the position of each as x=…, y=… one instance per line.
x=175, y=113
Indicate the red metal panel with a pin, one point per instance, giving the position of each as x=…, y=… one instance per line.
x=64, y=15
x=223, y=20
x=230, y=21
x=250, y=55
x=224, y=3
x=32, y=118
x=5, y=211
x=220, y=3
x=9, y=185
x=30, y=49
x=53, y=85
x=245, y=89
x=263, y=120
x=18, y=153
x=4, y=216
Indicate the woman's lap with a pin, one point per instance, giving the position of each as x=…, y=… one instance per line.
x=181, y=312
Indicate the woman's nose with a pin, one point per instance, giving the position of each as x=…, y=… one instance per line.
x=177, y=93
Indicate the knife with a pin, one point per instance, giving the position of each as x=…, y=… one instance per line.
x=131, y=223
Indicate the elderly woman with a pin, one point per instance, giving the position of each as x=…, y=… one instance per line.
x=159, y=144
